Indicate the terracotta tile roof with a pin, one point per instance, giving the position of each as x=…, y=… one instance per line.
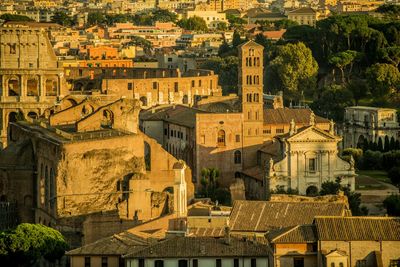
x=285, y=115
x=118, y=244
x=197, y=247
x=256, y=172
x=303, y=10
x=263, y=216
x=297, y=234
x=179, y=114
x=274, y=34
x=211, y=232
x=358, y=228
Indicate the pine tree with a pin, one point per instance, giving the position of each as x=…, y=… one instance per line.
x=387, y=144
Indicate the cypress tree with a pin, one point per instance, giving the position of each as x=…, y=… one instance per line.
x=380, y=145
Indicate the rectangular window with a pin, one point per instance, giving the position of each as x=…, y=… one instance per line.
x=199, y=83
x=279, y=131
x=192, y=83
x=312, y=165
x=130, y=86
x=141, y=262
x=298, y=262
x=13, y=49
x=237, y=138
x=104, y=262
x=182, y=263
x=165, y=131
x=253, y=263
x=203, y=139
x=80, y=72
x=155, y=85
x=218, y=263
x=172, y=133
x=235, y=262
x=176, y=87
x=87, y=261
x=159, y=263
x=195, y=263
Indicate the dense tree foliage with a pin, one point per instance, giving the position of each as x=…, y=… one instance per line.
x=28, y=243
x=392, y=205
x=227, y=69
x=13, y=17
x=61, y=17
x=193, y=24
x=293, y=69
x=150, y=17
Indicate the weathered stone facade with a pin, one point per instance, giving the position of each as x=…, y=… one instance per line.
x=98, y=161
x=30, y=77
x=151, y=86
x=369, y=124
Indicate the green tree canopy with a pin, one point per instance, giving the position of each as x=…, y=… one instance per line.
x=96, y=18
x=227, y=70
x=61, y=17
x=383, y=79
x=392, y=205
x=295, y=69
x=13, y=17
x=27, y=243
x=193, y=24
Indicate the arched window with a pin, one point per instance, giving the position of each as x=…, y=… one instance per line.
x=46, y=187
x=52, y=188
x=221, y=138
x=147, y=156
x=341, y=264
x=332, y=264
x=249, y=115
x=237, y=157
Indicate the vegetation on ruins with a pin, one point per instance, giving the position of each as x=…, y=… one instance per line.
x=354, y=199
x=29, y=243
x=211, y=188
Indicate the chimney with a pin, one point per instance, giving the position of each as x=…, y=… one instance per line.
x=227, y=236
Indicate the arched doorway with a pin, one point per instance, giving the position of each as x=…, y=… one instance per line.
x=185, y=99
x=12, y=117
x=361, y=141
x=143, y=99
x=312, y=191
x=107, y=120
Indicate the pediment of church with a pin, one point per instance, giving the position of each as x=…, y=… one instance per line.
x=313, y=134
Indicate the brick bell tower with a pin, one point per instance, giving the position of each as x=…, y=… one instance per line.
x=251, y=92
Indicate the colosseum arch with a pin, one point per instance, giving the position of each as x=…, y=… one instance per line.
x=14, y=86
x=33, y=115
x=32, y=86
x=51, y=86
